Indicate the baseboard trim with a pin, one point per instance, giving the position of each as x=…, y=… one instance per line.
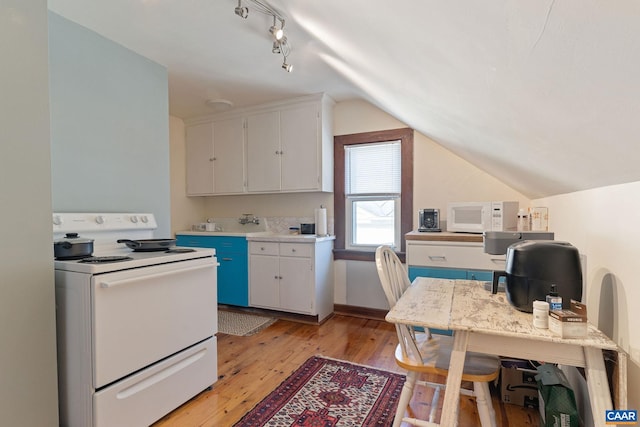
x=355, y=311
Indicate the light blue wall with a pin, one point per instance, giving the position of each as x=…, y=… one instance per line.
x=109, y=126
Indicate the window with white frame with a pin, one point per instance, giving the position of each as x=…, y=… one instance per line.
x=372, y=195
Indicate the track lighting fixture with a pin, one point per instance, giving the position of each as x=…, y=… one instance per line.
x=280, y=42
x=242, y=12
x=276, y=32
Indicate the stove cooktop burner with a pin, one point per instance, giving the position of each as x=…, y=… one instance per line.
x=105, y=259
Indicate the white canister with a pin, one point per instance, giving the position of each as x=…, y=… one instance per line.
x=210, y=226
x=541, y=314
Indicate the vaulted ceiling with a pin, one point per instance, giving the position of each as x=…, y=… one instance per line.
x=544, y=95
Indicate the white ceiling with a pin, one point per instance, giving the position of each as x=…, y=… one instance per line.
x=544, y=95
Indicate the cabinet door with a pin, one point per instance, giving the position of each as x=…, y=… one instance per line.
x=263, y=152
x=199, y=147
x=264, y=280
x=300, y=146
x=228, y=155
x=296, y=284
x=233, y=283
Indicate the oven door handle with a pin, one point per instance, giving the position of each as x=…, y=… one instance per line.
x=105, y=284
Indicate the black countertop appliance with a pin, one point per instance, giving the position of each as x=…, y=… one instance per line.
x=533, y=266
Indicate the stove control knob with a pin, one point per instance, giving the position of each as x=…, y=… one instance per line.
x=57, y=220
x=100, y=219
x=134, y=219
x=144, y=219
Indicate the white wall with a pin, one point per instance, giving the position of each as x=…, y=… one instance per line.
x=109, y=126
x=602, y=224
x=184, y=210
x=439, y=177
x=28, y=381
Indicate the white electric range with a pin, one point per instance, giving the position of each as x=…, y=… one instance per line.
x=136, y=337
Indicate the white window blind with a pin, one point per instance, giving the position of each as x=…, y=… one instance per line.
x=373, y=169
x=373, y=175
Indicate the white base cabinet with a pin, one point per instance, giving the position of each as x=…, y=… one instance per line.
x=292, y=277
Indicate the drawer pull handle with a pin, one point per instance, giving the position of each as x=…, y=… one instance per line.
x=437, y=257
x=227, y=259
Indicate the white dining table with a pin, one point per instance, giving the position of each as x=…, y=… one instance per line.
x=486, y=323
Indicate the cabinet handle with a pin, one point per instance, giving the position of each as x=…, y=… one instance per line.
x=262, y=248
x=227, y=259
x=211, y=159
x=437, y=257
x=293, y=250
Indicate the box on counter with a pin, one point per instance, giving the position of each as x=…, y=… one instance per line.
x=517, y=383
x=539, y=219
x=570, y=323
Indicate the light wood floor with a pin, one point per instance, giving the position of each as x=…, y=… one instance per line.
x=250, y=367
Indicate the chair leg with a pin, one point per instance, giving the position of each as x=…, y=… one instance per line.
x=405, y=397
x=485, y=407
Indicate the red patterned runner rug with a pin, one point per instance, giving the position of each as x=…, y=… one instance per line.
x=329, y=393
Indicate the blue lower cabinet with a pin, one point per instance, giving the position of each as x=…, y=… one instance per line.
x=482, y=275
x=440, y=273
x=233, y=271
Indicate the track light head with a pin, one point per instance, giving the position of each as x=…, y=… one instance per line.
x=242, y=12
x=276, y=47
x=276, y=32
x=287, y=67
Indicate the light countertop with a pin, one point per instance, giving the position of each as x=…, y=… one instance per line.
x=443, y=236
x=262, y=236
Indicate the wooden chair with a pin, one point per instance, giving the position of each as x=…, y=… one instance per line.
x=421, y=353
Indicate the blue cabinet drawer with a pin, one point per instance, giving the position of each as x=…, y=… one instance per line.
x=220, y=243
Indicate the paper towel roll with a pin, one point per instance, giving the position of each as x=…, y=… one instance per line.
x=321, y=221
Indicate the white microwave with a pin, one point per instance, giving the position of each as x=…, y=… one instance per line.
x=478, y=217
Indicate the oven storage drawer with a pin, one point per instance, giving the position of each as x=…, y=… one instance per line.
x=150, y=394
x=146, y=314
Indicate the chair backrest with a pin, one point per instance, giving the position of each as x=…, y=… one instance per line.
x=395, y=282
x=392, y=273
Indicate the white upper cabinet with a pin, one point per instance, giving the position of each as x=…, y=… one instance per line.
x=284, y=146
x=228, y=156
x=215, y=157
x=200, y=159
x=301, y=148
x=263, y=152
